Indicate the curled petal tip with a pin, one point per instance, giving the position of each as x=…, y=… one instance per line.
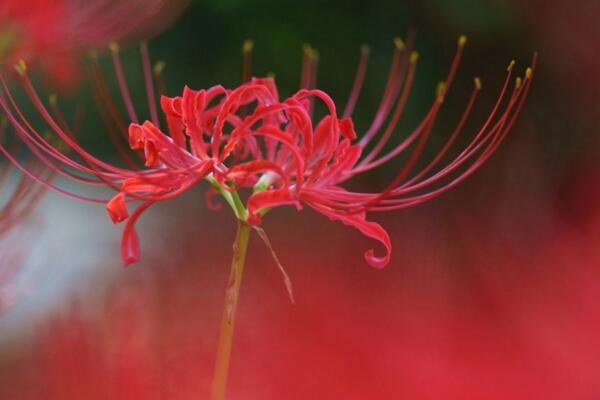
x=130, y=247
x=347, y=128
x=136, y=137
x=117, y=209
x=376, y=262
x=130, y=259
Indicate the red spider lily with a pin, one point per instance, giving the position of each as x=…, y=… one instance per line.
x=249, y=139
x=53, y=32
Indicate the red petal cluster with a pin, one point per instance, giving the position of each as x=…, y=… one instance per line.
x=249, y=138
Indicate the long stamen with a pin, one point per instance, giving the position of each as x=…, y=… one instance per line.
x=114, y=49
x=452, y=137
x=400, y=106
x=105, y=97
x=158, y=70
x=389, y=93
x=412, y=160
x=45, y=182
x=247, y=48
x=149, y=83
x=494, y=138
x=358, y=81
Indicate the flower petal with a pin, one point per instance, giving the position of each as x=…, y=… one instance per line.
x=130, y=244
x=367, y=228
x=117, y=209
x=267, y=199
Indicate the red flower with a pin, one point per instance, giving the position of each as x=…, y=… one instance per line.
x=248, y=139
x=52, y=33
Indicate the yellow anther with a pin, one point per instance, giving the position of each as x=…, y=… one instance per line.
x=528, y=73
x=307, y=49
x=21, y=66
x=477, y=82
x=365, y=49
x=399, y=43
x=271, y=75
x=93, y=54
x=462, y=40
x=310, y=52
x=518, y=82
x=53, y=99
x=114, y=47
x=414, y=56
x=159, y=67
x=441, y=91
x=247, y=46
x=511, y=65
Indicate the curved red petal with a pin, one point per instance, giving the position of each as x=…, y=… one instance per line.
x=117, y=209
x=269, y=198
x=347, y=128
x=130, y=244
x=367, y=228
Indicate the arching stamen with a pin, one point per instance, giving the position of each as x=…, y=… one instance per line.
x=158, y=70
x=412, y=160
x=114, y=49
x=452, y=138
x=389, y=93
x=358, y=81
x=149, y=83
x=400, y=106
x=247, y=48
x=30, y=91
x=45, y=182
x=105, y=98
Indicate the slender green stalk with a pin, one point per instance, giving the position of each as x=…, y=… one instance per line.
x=240, y=245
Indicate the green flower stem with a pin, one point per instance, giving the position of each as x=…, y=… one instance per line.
x=232, y=198
x=240, y=245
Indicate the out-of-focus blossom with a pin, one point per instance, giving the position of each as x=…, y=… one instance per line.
x=474, y=319
x=17, y=201
x=53, y=33
x=249, y=140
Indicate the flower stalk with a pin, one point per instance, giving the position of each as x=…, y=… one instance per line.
x=232, y=293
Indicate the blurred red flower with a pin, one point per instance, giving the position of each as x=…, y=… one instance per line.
x=53, y=33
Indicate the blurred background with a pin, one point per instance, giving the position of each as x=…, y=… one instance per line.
x=493, y=289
